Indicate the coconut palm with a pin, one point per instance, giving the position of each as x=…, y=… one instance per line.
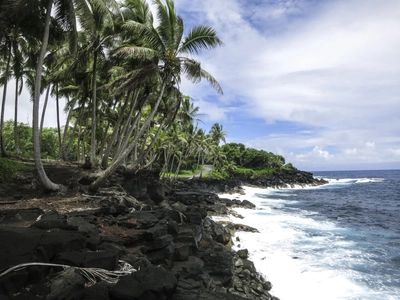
x=218, y=134
x=164, y=47
x=96, y=19
x=65, y=14
x=6, y=49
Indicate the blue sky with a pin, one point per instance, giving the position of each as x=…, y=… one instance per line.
x=317, y=81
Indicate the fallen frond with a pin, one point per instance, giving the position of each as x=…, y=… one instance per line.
x=93, y=275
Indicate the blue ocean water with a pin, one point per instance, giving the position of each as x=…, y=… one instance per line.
x=336, y=241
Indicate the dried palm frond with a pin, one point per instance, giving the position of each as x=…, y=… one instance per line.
x=93, y=275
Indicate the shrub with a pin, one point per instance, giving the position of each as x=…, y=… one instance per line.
x=9, y=168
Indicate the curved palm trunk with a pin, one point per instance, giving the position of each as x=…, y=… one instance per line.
x=3, y=105
x=47, y=184
x=106, y=173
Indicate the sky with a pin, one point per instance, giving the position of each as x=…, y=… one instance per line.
x=316, y=81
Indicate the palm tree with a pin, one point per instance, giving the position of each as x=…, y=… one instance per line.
x=218, y=134
x=96, y=18
x=4, y=80
x=65, y=12
x=166, y=47
x=189, y=113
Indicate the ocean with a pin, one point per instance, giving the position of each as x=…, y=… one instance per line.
x=336, y=241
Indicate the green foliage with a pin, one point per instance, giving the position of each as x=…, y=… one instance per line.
x=250, y=173
x=24, y=136
x=252, y=158
x=289, y=166
x=9, y=168
x=49, y=143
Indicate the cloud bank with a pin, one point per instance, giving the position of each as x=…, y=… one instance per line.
x=315, y=81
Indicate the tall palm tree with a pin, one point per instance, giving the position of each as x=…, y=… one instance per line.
x=6, y=49
x=165, y=48
x=65, y=13
x=96, y=18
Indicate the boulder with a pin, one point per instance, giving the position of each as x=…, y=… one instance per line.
x=149, y=283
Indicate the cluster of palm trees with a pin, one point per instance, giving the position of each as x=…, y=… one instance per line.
x=120, y=70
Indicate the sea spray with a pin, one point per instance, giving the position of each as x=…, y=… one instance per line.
x=316, y=242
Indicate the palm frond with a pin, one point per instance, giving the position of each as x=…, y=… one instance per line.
x=166, y=18
x=135, y=52
x=214, y=83
x=200, y=38
x=192, y=69
x=93, y=275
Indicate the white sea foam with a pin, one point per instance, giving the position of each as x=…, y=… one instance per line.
x=353, y=180
x=303, y=258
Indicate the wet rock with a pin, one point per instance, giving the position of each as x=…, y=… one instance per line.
x=243, y=253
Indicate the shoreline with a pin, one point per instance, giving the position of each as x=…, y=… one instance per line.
x=148, y=223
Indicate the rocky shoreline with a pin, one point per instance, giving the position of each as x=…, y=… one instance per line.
x=161, y=232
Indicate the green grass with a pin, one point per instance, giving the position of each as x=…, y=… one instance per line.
x=9, y=168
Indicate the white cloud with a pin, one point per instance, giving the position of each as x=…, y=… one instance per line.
x=332, y=66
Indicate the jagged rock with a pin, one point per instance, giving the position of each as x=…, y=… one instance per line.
x=68, y=285
x=159, y=242
x=217, y=261
x=50, y=220
x=101, y=259
x=98, y=291
x=71, y=258
x=243, y=253
x=142, y=219
x=162, y=255
x=11, y=216
x=148, y=283
x=155, y=231
x=181, y=252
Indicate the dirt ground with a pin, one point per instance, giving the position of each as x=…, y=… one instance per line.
x=24, y=191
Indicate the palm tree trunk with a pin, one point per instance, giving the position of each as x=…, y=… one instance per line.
x=94, y=110
x=58, y=122
x=64, y=147
x=16, y=136
x=104, y=162
x=3, y=105
x=46, y=100
x=47, y=184
x=128, y=128
x=106, y=173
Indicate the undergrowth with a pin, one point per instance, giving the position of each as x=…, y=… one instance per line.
x=9, y=168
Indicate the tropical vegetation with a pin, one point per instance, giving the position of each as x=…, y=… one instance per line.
x=119, y=66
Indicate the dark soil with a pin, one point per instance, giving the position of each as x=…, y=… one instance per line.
x=24, y=191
